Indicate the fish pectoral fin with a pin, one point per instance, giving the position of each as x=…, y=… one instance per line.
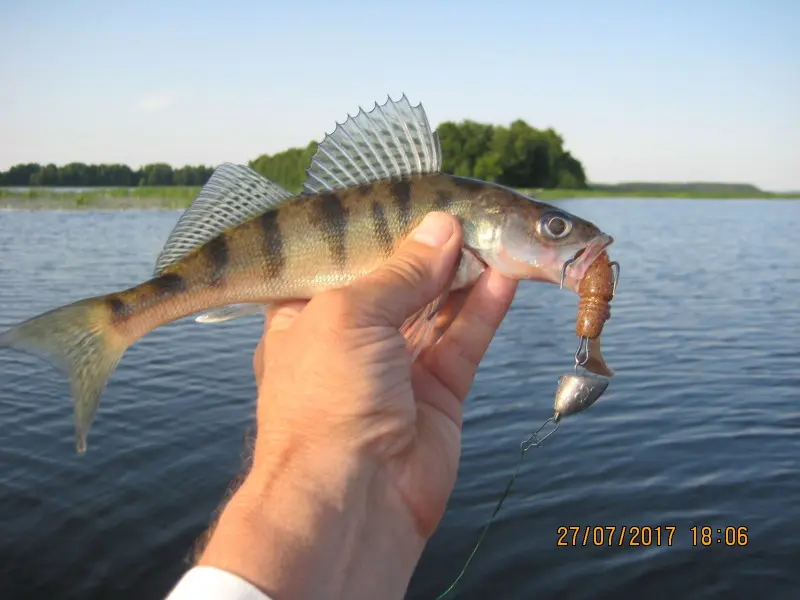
x=596, y=363
x=420, y=328
x=423, y=328
x=394, y=139
x=231, y=311
x=233, y=194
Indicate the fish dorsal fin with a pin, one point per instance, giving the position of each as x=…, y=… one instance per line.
x=233, y=194
x=392, y=140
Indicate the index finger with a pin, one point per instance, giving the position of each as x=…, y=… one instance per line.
x=277, y=319
x=454, y=359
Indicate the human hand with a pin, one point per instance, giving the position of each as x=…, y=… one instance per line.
x=357, y=448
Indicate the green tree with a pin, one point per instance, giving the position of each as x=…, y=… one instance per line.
x=189, y=175
x=517, y=156
x=569, y=172
x=47, y=175
x=73, y=175
x=287, y=168
x=20, y=174
x=488, y=167
x=463, y=144
x=156, y=174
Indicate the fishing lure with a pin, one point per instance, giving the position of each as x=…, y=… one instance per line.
x=575, y=392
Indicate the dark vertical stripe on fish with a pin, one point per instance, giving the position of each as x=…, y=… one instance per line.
x=119, y=308
x=443, y=199
x=331, y=218
x=380, y=228
x=401, y=192
x=168, y=284
x=275, y=261
x=365, y=189
x=159, y=289
x=216, y=252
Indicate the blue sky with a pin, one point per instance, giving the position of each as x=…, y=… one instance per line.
x=648, y=90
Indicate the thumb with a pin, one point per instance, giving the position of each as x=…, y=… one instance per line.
x=415, y=275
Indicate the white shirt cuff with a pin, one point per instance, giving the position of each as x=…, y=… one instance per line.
x=210, y=583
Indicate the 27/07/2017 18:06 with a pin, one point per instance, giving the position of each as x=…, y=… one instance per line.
x=661, y=535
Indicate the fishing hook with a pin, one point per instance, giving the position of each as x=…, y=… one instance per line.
x=615, y=267
x=564, y=267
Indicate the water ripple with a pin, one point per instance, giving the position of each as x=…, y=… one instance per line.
x=701, y=424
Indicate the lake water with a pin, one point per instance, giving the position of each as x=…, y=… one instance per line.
x=700, y=426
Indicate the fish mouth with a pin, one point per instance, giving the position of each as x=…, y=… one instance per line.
x=577, y=266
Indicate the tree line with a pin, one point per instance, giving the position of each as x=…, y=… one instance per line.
x=517, y=156
x=113, y=175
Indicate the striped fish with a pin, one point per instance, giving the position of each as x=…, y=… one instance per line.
x=246, y=242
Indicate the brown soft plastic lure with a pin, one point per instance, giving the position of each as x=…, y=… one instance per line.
x=596, y=291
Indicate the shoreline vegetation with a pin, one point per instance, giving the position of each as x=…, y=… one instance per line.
x=180, y=197
x=519, y=156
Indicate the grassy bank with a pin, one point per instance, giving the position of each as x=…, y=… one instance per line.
x=172, y=197
x=633, y=193
x=176, y=197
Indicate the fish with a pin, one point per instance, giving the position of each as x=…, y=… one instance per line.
x=245, y=242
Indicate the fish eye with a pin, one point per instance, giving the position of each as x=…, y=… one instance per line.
x=555, y=226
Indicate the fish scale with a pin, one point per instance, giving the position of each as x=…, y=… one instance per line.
x=245, y=243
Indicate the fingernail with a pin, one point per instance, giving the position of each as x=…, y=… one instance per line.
x=434, y=230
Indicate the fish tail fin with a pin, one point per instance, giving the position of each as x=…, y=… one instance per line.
x=79, y=340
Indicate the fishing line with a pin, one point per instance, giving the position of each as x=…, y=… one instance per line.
x=533, y=440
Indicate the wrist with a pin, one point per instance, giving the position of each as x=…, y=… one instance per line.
x=324, y=525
